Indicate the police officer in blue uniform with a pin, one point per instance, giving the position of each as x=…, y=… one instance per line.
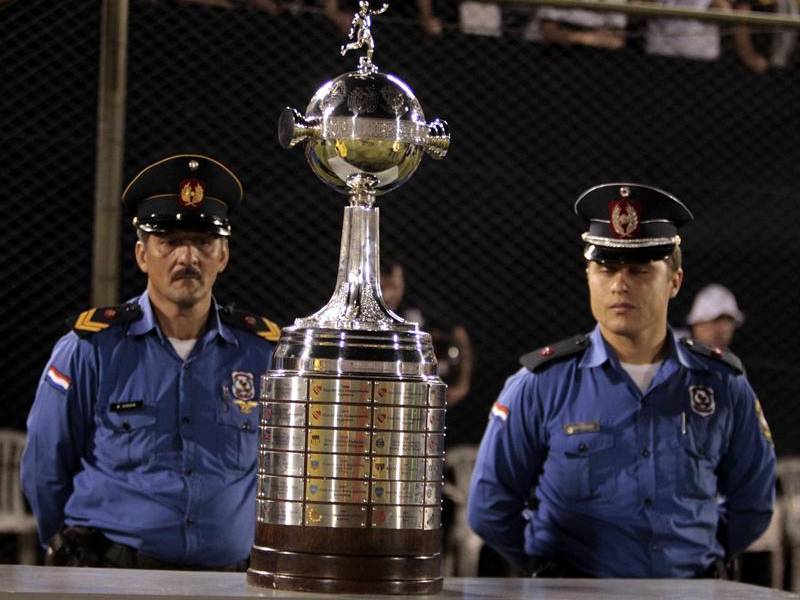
x=142, y=440
x=647, y=456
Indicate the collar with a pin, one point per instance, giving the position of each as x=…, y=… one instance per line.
x=600, y=352
x=148, y=322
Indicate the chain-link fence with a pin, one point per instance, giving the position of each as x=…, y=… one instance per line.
x=487, y=236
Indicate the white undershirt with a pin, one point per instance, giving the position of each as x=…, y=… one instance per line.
x=642, y=375
x=182, y=347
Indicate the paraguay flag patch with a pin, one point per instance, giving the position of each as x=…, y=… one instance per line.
x=500, y=410
x=58, y=379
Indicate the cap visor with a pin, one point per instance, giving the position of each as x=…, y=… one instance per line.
x=203, y=223
x=604, y=254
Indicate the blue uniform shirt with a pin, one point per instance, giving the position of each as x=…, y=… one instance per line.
x=627, y=484
x=156, y=452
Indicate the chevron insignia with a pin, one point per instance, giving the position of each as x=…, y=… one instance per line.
x=261, y=326
x=94, y=320
x=272, y=333
x=84, y=322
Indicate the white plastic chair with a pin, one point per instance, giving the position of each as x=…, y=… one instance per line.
x=773, y=542
x=789, y=477
x=13, y=517
x=462, y=549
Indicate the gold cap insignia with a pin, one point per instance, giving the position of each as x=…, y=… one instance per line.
x=191, y=193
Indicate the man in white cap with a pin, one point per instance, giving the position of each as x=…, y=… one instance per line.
x=714, y=316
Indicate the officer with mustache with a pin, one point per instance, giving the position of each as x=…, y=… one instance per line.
x=143, y=437
x=648, y=456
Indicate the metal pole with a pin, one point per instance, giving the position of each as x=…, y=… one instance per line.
x=110, y=151
x=659, y=10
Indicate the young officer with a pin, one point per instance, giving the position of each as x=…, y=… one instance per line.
x=648, y=457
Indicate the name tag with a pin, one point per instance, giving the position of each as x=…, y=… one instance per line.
x=125, y=406
x=582, y=427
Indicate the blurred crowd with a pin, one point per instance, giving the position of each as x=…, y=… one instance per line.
x=759, y=48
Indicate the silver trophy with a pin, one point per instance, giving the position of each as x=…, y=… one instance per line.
x=351, y=448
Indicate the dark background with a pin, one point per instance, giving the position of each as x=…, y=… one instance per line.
x=487, y=235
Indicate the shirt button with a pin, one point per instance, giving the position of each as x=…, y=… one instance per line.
x=126, y=426
x=645, y=452
x=582, y=447
x=186, y=365
x=186, y=420
x=648, y=502
x=190, y=522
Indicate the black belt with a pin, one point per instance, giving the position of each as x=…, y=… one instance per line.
x=87, y=547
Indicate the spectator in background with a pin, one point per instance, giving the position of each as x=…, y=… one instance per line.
x=766, y=47
x=268, y=6
x=585, y=27
x=714, y=316
x=687, y=38
x=430, y=23
x=451, y=343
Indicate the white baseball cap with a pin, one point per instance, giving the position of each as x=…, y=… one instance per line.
x=712, y=302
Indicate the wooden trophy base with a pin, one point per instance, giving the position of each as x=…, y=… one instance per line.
x=345, y=560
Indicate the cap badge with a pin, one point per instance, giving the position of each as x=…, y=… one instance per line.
x=625, y=217
x=191, y=193
x=702, y=398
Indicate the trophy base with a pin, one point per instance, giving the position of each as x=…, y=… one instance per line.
x=346, y=560
x=342, y=586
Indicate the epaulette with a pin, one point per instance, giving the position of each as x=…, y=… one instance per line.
x=256, y=324
x=568, y=347
x=720, y=354
x=93, y=320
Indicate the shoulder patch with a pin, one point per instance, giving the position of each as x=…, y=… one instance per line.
x=724, y=356
x=762, y=423
x=256, y=324
x=93, y=320
x=536, y=359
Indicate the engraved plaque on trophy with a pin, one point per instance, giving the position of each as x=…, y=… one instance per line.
x=351, y=448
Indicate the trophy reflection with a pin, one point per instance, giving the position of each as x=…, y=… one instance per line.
x=351, y=449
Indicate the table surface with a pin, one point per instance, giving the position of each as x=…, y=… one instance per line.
x=48, y=583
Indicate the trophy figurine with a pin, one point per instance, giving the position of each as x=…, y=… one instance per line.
x=351, y=447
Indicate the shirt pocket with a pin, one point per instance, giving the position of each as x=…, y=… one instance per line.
x=128, y=435
x=584, y=465
x=699, y=459
x=237, y=435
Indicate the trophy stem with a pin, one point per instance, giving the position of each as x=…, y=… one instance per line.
x=357, y=302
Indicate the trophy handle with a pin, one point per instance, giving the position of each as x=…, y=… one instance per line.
x=438, y=142
x=294, y=128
